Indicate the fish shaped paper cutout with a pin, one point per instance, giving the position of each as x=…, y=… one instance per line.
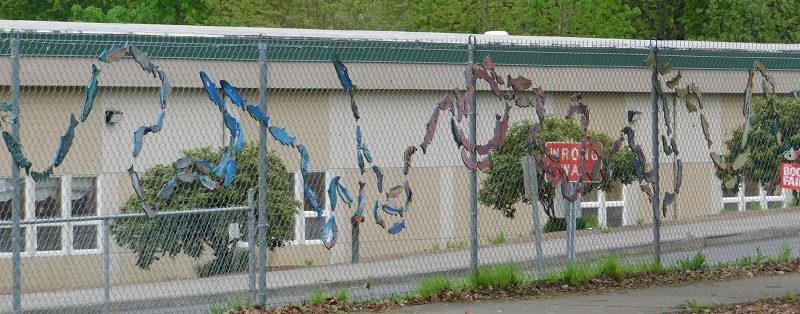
x=665, y=145
x=674, y=81
x=186, y=176
x=304, y=160
x=674, y=145
x=168, y=188
x=203, y=166
x=397, y=227
x=455, y=131
x=66, y=141
x=366, y=152
x=407, y=189
x=748, y=122
x=721, y=165
x=235, y=130
x=378, y=219
x=395, y=192
x=706, y=131
x=229, y=172
x=776, y=131
x=257, y=114
x=359, y=138
x=578, y=108
x=665, y=69
x=360, y=161
x=378, y=177
x=690, y=105
x=15, y=148
x=209, y=183
x=151, y=210
x=343, y=193
x=233, y=94
x=143, y=59
x=183, y=163
x=328, y=232
x=651, y=60
x=520, y=84
x=211, y=91
x=333, y=192
x=678, y=176
x=156, y=126
x=312, y=200
x=391, y=210
x=358, y=215
x=280, y=135
x=137, y=186
x=407, y=158
x=165, y=89
x=90, y=93
x=482, y=74
x=501, y=129
x=667, y=115
x=487, y=63
x=445, y=104
x=694, y=89
x=347, y=84
x=669, y=198
x=222, y=165
x=597, y=148
x=647, y=190
x=114, y=53
x=731, y=183
x=740, y=160
x=42, y=176
x=637, y=168
x=138, y=137
x=430, y=130
x=461, y=104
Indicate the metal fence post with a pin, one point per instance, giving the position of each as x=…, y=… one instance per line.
x=532, y=185
x=354, y=245
x=473, y=175
x=654, y=140
x=251, y=243
x=263, y=227
x=106, y=271
x=16, y=203
x=571, y=224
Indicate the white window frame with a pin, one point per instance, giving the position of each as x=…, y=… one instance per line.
x=29, y=207
x=602, y=205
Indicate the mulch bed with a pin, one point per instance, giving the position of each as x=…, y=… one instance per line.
x=546, y=289
x=770, y=306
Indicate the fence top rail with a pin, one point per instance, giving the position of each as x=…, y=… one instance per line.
x=197, y=211
x=45, y=27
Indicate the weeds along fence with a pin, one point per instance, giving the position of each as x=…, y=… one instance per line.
x=80, y=239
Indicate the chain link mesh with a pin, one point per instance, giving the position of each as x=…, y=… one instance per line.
x=189, y=262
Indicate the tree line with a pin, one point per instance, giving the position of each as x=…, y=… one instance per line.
x=768, y=21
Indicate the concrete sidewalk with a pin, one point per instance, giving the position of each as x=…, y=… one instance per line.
x=649, y=300
x=633, y=240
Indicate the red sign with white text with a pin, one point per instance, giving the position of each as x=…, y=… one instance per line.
x=790, y=175
x=569, y=158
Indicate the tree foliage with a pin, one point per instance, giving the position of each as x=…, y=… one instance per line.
x=169, y=236
x=504, y=187
x=766, y=155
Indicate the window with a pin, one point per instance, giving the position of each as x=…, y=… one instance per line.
x=307, y=226
x=606, y=207
x=59, y=197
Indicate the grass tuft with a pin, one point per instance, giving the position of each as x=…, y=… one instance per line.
x=456, y=245
x=317, y=296
x=498, y=276
x=341, y=294
x=695, y=307
x=433, y=285
x=784, y=253
x=230, y=305
x=611, y=268
x=498, y=239
x=694, y=263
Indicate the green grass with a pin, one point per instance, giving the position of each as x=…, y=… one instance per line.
x=317, y=296
x=231, y=304
x=499, y=276
x=456, y=245
x=793, y=297
x=760, y=257
x=435, y=248
x=696, y=262
x=498, y=239
x=753, y=206
x=639, y=221
x=341, y=294
x=695, y=307
x=611, y=268
x=784, y=253
x=308, y=262
x=433, y=285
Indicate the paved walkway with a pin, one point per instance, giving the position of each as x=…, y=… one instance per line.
x=650, y=300
x=742, y=228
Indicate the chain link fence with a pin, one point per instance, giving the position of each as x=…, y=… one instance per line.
x=87, y=240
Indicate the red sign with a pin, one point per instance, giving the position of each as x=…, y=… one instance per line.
x=569, y=158
x=790, y=176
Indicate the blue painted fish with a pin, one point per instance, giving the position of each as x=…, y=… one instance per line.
x=407, y=188
x=222, y=166
x=183, y=163
x=42, y=176
x=163, y=92
x=143, y=59
x=233, y=94
x=359, y=139
x=235, y=128
x=312, y=200
x=186, y=176
x=209, y=183
x=379, y=177
x=256, y=113
x=156, y=127
x=280, y=135
x=90, y=93
x=391, y=210
x=394, y=192
x=151, y=210
x=137, y=186
x=304, y=160
x=347, y=84
x=397, y=227
x=344, y=194
x=229, y=173
x=114, y=53
x=358, y=216
x=332, y=190
x=203, y=166
x=328, y=232
x=211, y=90
x=138, y=137
x=168, y=188
x=360, y=161
x=378, y=220
x=66, y=141
x=367, y=153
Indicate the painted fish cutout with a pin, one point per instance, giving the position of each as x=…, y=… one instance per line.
x=678, y=176
x=347, y=84
x=597, y=148
x=137, y=186
x=617, y=145
x=731, y=183
x=233, y=94
x=211, y=90
x=280, y=135
x=669, y=198
x=407, y=158
x=682, y=93
x=366, y=152
x=163, y=92
x=312, y=200
x=468, y=162
x=485, y=163
x=360, y=161
x=235, y=129
x=150, y=210
x=637, y=167
x=143, y=59
x=486, y=148
x=697, y=93
x=501, y=129
x=42, y=176
x=90, y=93
x=15, y=148
x=520, y=84
x=740, y=160
x=167, y=189
x=690, y=105
x=650, y=177
x=482, y=74
x=748, y=122
x=776, y=131
x=66, y=141
x=665, y=69
x=674, y=81
x=222, y=165
x=647, y=190
x=328, y=232
x=430, y=130
x=344, y=194
x=461, y=104
x=674, y=145
x=639, y=153
x=445, y=104
x=394, y=192
x=667, y=116
x=378, y=177
x=397, y=227
x=203, y=166
x=358, y=216
x=114, y=53
x=455, y=131
x=391, y=210
x=579, y=108
x=539, y=103
x=208, y=183
x=378, y=219
x=359, y=138
x=407, y=189
x=721, y=165
x=651, y=60
x=186, y=176
x=183, y=163
x=138, y=137
x=667, y=148
x=487, y=63
x=156, y=126
x=533, y=133
x=332, y=192
x=256, y=113
x=229, y=173
x=706, y=131
x=304, y=160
